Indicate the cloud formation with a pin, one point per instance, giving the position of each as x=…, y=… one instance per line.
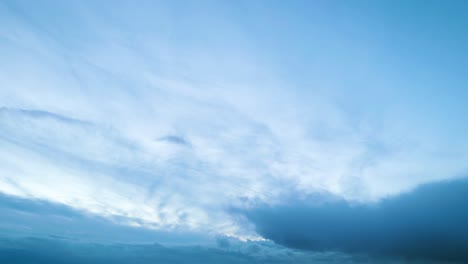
x=27, y=250
x=165, y=115
x=45, y=220
x=63, y=252
x=427, y=223
x=42, y=232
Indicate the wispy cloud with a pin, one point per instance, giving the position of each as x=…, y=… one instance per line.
x=172, y=114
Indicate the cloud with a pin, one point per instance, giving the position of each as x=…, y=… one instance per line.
x=95, y=169
x=42, y=219
x=56, y=251
x=174, y=139
x=426, y=223
x=53, y=250
x=42, y=232
x=97, y=100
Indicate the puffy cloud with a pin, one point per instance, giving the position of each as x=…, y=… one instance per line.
x=426, y=223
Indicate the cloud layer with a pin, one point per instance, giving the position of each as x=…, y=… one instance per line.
x=42, y=232
x=427, y=223
x=166, y=115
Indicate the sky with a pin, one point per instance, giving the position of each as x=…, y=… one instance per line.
x=233, y=131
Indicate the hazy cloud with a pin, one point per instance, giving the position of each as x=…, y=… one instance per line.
x=28, y=250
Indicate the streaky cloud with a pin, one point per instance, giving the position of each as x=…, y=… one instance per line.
x=40, y=114
x=166, y=114
x=46, y=220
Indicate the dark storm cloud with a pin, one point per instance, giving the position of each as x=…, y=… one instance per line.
x=430, y=222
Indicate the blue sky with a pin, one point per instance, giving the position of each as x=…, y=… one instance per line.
x=184, y=119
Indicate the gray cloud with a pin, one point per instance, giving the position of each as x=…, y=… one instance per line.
x=18, y=112
x=174, y=139
x=53, y=250
x=427, y=223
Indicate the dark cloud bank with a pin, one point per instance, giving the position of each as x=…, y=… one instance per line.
x=429, y=223
x=57, y=251
x=40, y=232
